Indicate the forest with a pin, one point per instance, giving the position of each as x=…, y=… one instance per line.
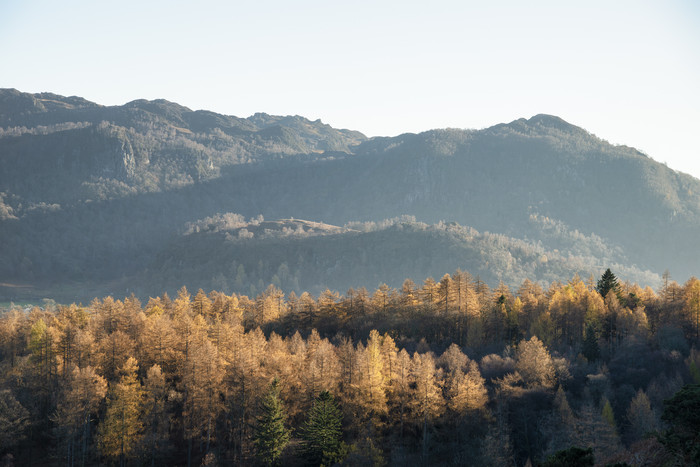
x=589, y=371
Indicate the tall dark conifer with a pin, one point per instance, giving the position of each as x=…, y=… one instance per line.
x=322, y=432
x=591, y=349
x=271, y=436
x=607, y=282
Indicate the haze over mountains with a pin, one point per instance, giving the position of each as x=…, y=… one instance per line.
x=150, y=196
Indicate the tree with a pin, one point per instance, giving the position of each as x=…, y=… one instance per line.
x=572, y=457
x=427, y=403
x=271, y=436
x=607, y=282
x=155, y=413
x=682, y=413
x=533, y=362
x=608, y=414
x=641, y=416
x=593, y=430
x=201, y=304
x=691, y=291
x=120, y=430
x=80, y=398
x=561, y=425
x=464, y=390
x=322, y=432
x=369, y=379
x=590, y=349
x=14, y=419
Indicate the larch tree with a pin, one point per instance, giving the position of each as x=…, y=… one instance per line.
x=79, y=400
x=691, y=295
x=12, y=338
x=593, y=430
x=120, y=431
x=370, y=379
x=409, y=295
x=467, y=391
x=14, y=420
x=201, y=382
x=113, y=351
x=429, y=293
x=246, y=378
x=401, y=392
x=321, y=368
x=427, y=403
x=382, y=298
x=560, y=425
x=157, y=343
x=641, y=417
x=156, y=418
x=533, y=362
x=201, y=304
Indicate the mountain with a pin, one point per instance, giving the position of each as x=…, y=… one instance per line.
x=119, y=197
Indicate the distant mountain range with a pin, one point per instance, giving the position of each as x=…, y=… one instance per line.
x=150, y=196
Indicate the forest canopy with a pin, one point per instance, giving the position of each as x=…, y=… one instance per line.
x=448, y=371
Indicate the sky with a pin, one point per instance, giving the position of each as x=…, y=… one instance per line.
x=627, y=71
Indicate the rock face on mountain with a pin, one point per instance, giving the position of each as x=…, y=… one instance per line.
x=97, y=193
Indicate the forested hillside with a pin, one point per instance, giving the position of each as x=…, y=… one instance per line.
x=96, y=198
x=230, y=254
x=438, y=373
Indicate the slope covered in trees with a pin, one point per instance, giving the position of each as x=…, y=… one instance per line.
x=231, y=254
x=92, y=193
x=441, y=373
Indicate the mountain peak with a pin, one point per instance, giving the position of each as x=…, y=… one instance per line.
x=550, y=121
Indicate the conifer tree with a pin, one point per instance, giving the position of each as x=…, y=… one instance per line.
x=271, y=436
x=591, y=349
x=607, y=282
x=82, y=393
x=120, y=430
x=322, y=432
x=641, y=416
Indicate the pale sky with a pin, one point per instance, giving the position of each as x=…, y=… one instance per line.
x=627, y=71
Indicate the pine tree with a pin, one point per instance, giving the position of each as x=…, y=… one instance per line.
x=322, y=432
x=271, y=436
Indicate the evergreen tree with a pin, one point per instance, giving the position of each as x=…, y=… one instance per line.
x=271, y=436
x=572, y=457
x=607, y=282
x=682, y=414
x=322, y=432
x=590, y=349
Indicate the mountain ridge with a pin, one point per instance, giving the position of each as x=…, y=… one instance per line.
x=127, y=179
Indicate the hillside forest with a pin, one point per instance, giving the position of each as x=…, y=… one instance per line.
x=448, y=372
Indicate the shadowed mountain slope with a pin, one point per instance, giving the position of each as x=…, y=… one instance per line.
x=94, y=192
